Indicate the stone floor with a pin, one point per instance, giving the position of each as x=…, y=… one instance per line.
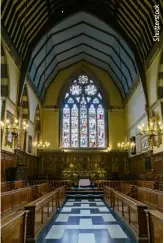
x=85, y=221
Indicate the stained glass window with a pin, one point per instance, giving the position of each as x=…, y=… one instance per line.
x=83, y=116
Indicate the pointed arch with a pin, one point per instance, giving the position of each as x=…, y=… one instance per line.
x=4, y=75
x=25, y=104
x=83, y=68
x=83, y=114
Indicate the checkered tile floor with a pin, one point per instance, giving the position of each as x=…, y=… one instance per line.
x=85, y=221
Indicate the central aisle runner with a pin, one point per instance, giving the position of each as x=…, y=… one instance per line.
x=85, y=221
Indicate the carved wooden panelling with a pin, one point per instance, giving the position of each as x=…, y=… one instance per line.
x=146, y=165
x=7, y=160
x=73, y=165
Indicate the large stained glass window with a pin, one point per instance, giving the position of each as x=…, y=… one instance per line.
x=83, y=116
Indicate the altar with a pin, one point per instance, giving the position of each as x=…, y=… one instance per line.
x=84, y=183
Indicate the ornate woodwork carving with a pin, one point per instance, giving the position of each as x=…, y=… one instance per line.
x=76, y=165
x=139, y=169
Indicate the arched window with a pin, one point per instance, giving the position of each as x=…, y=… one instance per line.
x=83, y=115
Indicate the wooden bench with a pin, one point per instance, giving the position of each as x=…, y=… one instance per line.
x=155, y=226
x=148, y=184
x=130, y=210
x=15, y=198
x=13, y=227
x=153, y=198
x=11, y=185
x=41, y=211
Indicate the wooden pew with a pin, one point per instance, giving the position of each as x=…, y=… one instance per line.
x=15, y=198
x=148, y=184
x=12, y=185
x=155, y=226
x=153, y=198
x=41, y=211
x=13, y=227
x=130, y=210
x=4, y=187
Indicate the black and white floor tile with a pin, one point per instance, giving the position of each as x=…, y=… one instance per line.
x=85, y=221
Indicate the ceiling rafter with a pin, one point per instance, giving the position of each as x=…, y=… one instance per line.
x=134, y=20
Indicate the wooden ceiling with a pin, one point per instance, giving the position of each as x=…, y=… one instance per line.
x=26, y=21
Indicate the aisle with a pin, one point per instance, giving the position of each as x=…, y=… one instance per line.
x=85, y=221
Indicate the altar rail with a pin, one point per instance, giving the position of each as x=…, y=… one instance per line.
x=11, y=199
x=36, y=182
x=155, y=226
x=131, y=210
x=13, y=227
x=41, y=211
x=58, y=183
x=111, y=183
x=11, y=185
x=153, y=198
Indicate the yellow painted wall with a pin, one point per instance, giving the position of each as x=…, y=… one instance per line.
x=11, y=101
x=135, y=113
x=51, y=118
x=152, y=79
x=13, y=77
x=121, y=122
x=116, y=127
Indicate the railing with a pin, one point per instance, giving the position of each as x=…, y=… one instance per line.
x=14, y=198
x=41, y=210
x=111, y=183
x=13, y=228
x=155, y=226
x=36, y=182
x=58, y=183
x=130, y=210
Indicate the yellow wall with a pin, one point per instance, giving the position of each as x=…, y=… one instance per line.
x=51, y=117
x=13, y=77
x=152, y=79
x=122, y=123
x=135, y=113
x=11, y=100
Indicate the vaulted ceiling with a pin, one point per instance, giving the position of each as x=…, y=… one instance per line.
x=26, y=21
x=82, y=37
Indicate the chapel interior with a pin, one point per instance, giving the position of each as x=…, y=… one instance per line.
x=81, y=121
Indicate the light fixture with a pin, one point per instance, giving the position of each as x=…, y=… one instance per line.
x=41, y=145
x=124, y=146
x=13, y=128
x=154, y=132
